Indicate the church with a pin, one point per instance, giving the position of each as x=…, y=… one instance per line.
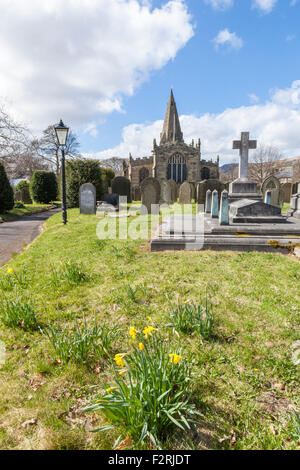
x=172, y=159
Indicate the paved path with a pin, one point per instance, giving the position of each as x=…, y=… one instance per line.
x=14, y=235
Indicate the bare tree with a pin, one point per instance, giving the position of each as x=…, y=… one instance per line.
x=13, y=139
x=264, y=163
x=116, y=163
x=49, y=149
x=29, y=161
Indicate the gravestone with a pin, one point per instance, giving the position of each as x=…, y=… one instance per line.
x=136, y=194
x=273, y=184
x=150, y=189
x=112, y=199
x=215, y=204
x=185, y=193
x=286, y=189
x=122, y=186
x=206, y=185
x=174, y=190
x=208, y=202
x=242, y=187
x=165, y=192
x=224, y=209
x=87, y=199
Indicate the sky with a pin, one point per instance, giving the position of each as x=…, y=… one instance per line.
x=106, y=68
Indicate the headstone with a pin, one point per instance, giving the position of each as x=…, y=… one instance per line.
x=174, y=190
x=165, y=192
x=224, y=209
x=185, y=193
x=112, y=199
x=150, y=189
x=215, y=204
x=87, y=199
x=273, y=184
x=243, y=187
x=208, y=202
x=206, y=185
x=122, y=186
x=136, y=194
x=268, y=197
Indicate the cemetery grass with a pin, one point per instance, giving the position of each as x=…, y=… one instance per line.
x=28, y=209
x=245, y=383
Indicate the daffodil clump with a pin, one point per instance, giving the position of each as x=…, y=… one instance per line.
x=81, y=343
x=14, y=279
x=152, y=390
x=69, y=272
x=189, y=318
x=17, y=313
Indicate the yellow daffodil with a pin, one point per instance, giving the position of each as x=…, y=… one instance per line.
x=119, y=360
x=148, y=331
x=175, y=359
x=10, y=271
x=132, y=332
x=141, y=347
x=69, y=263
x=122, y=372
x=109, y=390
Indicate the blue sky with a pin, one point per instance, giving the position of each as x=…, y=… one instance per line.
x=233, y=65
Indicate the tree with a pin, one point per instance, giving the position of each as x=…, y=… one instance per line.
x=115, y=163
x=264, y=163
x=6, y=192
x=43, y=187
x=28, y=162
x=49, y=149
x=13, y=140
x=296, y=171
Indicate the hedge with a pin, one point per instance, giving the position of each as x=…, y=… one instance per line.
x=43, y=187
x=79, y=172
x=6, y=192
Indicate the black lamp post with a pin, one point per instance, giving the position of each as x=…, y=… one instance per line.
x=62, y=135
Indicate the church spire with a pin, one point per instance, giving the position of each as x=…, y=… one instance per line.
x=171, y=131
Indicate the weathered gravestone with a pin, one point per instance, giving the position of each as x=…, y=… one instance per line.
x=165, y=192
x=208, y=201
x=273, y=184
x=87, y=199
x=185, y=193
x=206, y=185
x=224, y=209
x=136, y=194
x=122, y=186
x=215, y=204
x=174, y=190
x=286, y=192
x=150, y=189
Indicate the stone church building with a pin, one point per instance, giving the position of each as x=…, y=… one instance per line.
x=172, y=158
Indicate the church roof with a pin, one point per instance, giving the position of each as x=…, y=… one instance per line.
x=171, y=131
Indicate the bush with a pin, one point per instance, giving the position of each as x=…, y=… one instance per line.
x=152, y=392
x=6, y=192
x=79, y=172
x=43, y=187
x=19, y=205
x=21, y=185
x=108, y=175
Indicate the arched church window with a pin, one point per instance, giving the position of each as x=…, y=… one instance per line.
x=205, y=173
x=177, y=169
x=144, y=173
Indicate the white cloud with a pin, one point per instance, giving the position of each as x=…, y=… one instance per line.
x=220, y=4
x=75, y=59
x=253, y=98
x=226, y=38
x=266, y=6
x=276, y=122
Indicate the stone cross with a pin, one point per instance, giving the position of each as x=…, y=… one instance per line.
x=244, y=145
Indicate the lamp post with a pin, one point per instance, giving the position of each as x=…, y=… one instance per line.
x=62, y=135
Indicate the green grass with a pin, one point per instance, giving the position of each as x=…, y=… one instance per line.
x=244, y=382
x=29, y=209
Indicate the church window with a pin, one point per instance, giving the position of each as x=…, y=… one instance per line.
x=177, y=169
x=205, y=173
